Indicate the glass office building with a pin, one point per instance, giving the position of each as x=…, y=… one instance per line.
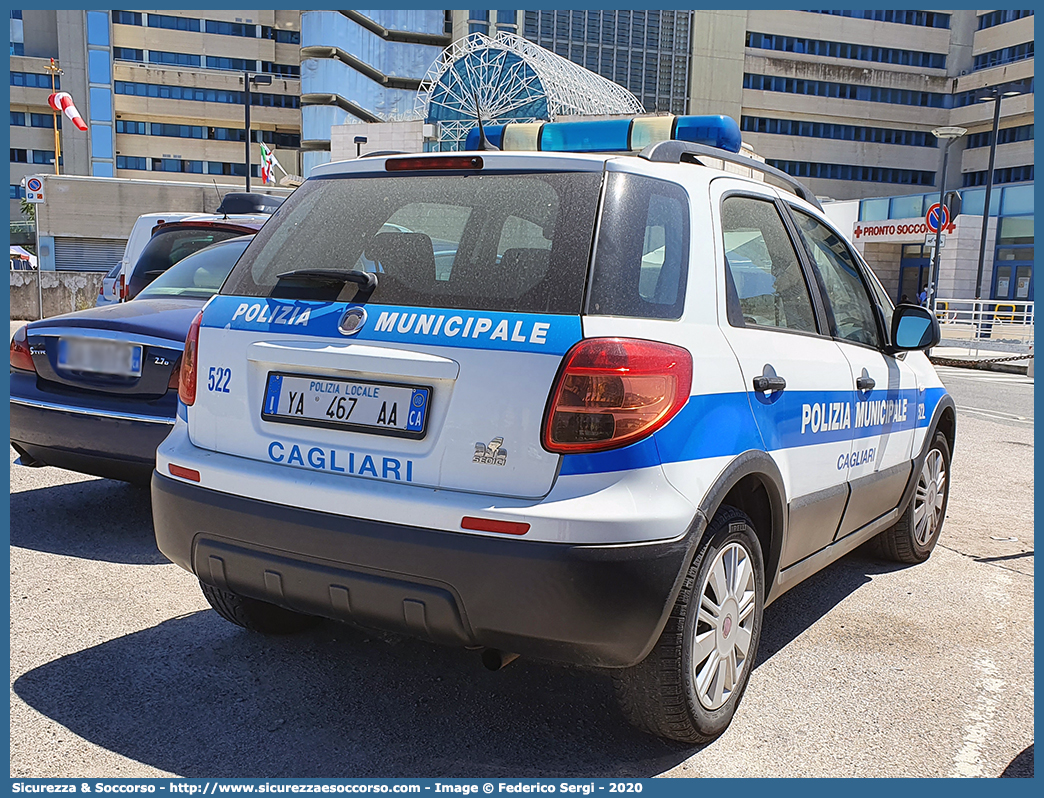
x=362, y=67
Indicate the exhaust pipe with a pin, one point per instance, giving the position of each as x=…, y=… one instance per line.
x=494, y=659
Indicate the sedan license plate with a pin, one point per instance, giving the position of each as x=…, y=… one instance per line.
x=99, y=356
x=359, y=405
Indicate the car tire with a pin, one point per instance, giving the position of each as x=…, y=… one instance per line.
x=915, y=534
x=257, y=616
x=669, y=694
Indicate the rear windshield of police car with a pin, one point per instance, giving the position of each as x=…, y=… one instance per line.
x=496, y=242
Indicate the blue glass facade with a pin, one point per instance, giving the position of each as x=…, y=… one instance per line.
x=372, y=77
x=646, y=52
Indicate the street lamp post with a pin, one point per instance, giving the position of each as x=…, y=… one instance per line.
x=259, y=80
x=994, y=95
x=949, y=135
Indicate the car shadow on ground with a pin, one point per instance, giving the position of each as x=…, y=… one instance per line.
x=803, y=605
x=199, y=697
x=96, y=519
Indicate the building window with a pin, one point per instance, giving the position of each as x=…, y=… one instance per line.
x=98, y=66
x=232, y=169
x=847, y=50
x=45, y=120
x=128, y=126
x=506, y=18
x=845, y=91
x=1006, y=55
x=1000, y=17
x=965, y=98
x=101, y=169
x=205, y=95
x=101, y=105
x=17, y=192
x=43, y=156
x=478, y=27
x=237, y=64
x=478, y=16
x=18, y=118
x=127, y=54
x=1006, y=135
x=101, y=141
x=828, y=130
x=34, y=81
x=173, y=23
x=281, y=36
x=129, y=162
x=175, y=59
x=926, y=19
x=868, y=174
x=1012, y=174
x=126, y=17
x=19, y=155
x=16, y=15
x=231, y=29
x=282, y=70
x=98, y=28
x=176, y=165
x=17, y=48
x=177, y=131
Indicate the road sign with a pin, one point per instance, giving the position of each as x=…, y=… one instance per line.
x=34, y=191
x=929, y=240
x=932, y=217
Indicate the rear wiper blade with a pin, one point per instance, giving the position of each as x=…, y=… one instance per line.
x=367, y=281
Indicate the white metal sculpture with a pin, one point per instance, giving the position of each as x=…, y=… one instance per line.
x=512, y=80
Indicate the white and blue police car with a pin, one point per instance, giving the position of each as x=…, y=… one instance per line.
x=633, y=401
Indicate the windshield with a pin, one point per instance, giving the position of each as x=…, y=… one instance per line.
x=498, y=242
x=199, y=275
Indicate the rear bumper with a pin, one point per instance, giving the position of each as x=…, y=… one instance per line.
x=583, y=604
x=103, y=442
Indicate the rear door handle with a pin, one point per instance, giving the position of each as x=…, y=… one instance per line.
x=865, y=383
x=765, y=384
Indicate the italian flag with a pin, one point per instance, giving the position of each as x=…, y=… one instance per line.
x=268, y=160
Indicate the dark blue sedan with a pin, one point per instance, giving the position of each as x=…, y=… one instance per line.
x=96, y=391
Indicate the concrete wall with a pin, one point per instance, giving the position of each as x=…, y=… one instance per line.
x=63, y=292
x=107, y=207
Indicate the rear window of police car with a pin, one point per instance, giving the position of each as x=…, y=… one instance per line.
x=498, y=242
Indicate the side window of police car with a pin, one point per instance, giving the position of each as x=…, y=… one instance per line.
x=852, y=317
x=765, y=283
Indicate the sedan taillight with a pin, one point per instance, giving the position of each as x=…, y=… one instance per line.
x=189, y=362
x=611, y=392
x=21, y=357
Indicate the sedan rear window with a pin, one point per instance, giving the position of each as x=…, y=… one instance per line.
x=497, y=242
x=170, y=245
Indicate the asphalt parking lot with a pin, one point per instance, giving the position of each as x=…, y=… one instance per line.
x=119, y=668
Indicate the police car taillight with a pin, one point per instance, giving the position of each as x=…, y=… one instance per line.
x=189, y=362
x=21, y=357
x=611, y=392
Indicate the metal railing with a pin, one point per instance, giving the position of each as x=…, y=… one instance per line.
x=980, y=320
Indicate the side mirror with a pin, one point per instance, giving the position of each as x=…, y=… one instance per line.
x=914, y=327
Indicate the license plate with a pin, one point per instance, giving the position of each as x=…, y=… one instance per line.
x=362, y=406
x=99, y=356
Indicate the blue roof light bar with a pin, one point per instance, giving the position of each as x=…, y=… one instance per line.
x=612, y=135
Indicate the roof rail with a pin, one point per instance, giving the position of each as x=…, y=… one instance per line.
x=675, y=152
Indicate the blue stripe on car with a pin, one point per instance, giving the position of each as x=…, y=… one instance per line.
x=717, y=425
x=469, y=329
